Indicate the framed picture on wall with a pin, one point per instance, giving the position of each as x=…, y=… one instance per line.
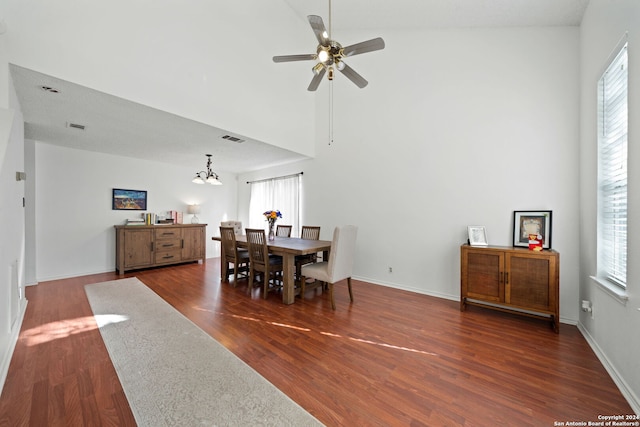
x=129, y=200
x=477, y=235
x=531, y=222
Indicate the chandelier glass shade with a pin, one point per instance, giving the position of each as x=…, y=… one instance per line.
x=208, y=176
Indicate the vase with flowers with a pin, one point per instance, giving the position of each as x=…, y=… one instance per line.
x=272, y=216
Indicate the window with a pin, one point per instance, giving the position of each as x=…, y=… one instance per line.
x=612, y=171
x=281, y=194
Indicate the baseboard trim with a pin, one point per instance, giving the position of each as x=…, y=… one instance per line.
x=624, y=388
x=407, y=288
x=15, y=334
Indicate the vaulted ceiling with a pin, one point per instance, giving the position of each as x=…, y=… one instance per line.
x=119, y=126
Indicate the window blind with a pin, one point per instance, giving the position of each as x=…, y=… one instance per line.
x=612, y=170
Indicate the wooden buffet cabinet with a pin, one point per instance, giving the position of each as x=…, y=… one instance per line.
x=143, y=246
x=511, y=279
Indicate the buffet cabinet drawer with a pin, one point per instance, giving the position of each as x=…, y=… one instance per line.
x=167, y=256
x=168, y=233
x=168, y=244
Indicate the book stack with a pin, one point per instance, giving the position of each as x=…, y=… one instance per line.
x=150, y=218
x=176, y=216
x=137, y=221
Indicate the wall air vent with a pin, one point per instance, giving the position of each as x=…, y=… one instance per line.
x=233, y=139
x=75, y=126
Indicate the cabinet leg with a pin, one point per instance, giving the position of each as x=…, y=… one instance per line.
x=463, y=304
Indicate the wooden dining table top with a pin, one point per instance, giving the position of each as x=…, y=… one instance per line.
x=288, y=245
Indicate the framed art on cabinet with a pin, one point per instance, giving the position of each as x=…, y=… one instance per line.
x=531, y=222
x=477, y=235
x=129, y=200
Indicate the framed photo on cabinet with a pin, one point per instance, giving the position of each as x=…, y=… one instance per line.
x=531, y=222
x=477, y=235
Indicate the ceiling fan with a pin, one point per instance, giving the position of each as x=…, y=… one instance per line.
x=330, y=53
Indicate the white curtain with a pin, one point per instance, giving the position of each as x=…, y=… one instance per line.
x=281, y=194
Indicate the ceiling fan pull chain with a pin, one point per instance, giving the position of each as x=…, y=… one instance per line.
x=330, y=112
x=330, y=33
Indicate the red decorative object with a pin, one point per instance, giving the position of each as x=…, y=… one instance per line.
x=535, y=242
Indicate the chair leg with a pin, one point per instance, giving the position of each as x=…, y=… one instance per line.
x=350, y=291
x=266, y=286
x=333, y=302
x=235, y=275
x=226, y=272
x=251, y=277
x=265, y=278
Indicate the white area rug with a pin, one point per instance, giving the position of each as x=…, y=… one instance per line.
x=173, y=373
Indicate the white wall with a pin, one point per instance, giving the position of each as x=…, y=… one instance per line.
x=478, y=124
x=613, y=331
x=12, y=224
x=74, y=219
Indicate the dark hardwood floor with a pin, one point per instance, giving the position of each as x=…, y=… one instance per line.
x=391, y=358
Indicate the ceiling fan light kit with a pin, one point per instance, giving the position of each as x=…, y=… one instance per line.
x=330, y=53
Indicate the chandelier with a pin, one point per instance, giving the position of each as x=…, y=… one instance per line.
x=207, y=176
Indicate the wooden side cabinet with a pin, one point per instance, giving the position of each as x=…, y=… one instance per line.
x=143, y=246
x=511, y=279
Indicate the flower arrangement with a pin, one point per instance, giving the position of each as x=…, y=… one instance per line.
x=272, y=216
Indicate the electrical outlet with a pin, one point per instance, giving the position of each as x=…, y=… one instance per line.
x=390, y=270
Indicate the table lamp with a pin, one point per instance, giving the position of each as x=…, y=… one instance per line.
x=194, y=210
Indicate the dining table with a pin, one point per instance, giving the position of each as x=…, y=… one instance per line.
x=288, y=248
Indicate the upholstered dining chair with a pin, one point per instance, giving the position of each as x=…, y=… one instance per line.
x=283, y=230
x=233, y=255
x=339, y=266
x=261, y=263
x=237, y=226
x=310, y=233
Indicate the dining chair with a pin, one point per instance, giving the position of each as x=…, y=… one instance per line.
x=339, y=266
x=233, y=255
x=308, y=232
x=283, y=230
x=260, y=262
x=237, y=226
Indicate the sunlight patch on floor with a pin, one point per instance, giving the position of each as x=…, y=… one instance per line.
x=65, y=328
x=107, y=319
x=329, y=334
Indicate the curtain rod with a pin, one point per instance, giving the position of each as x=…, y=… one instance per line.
x=277, y=177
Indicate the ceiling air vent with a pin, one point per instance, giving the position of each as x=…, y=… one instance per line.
x=49, y=89
x=75, y=126
x=232, y=139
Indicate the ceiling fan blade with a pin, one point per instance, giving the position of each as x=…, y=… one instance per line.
x=317, y=25
x=353, y=76
x=364, y=47
x=289, y=58
x=315, y=82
